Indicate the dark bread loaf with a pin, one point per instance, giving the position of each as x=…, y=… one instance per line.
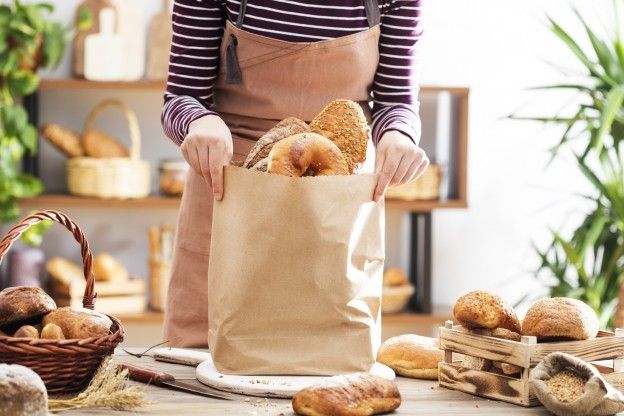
x=23, y=303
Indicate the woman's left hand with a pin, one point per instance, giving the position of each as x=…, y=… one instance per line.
x=398, y=160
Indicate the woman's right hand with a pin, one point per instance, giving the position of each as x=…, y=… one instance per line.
x=207, y=148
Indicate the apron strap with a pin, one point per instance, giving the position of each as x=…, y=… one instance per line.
x=241, y=14
x=372, y=12
x=233, y=74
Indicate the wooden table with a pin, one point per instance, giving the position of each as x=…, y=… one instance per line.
x=420, y=397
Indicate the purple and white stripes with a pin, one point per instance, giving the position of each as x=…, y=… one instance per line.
x=198, y=28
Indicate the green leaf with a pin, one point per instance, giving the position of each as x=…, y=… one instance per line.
x=53, y=45
x=33, y=236
x=9, y=210
x=22, y=82
x=615, y=98
x=29, y=137
x=84, y=19
x=576, y=258
x=26, y=186
x=34, y=17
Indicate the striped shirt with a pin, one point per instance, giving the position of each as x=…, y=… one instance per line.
x=198, y=28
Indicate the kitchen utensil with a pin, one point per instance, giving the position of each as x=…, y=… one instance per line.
x=262, y=386
x=130, y=18
x=156, y=378
x=93, y=7
x=159, y=39
x=103, y=60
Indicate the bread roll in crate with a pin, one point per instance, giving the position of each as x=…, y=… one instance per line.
x=457, y=341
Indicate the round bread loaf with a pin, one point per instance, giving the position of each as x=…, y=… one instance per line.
x=79, y=323
x=412, y=356
x=343, y=122
x=52, y=331
x=285, y=128
x=560, y=318
x=481, y=309
x=27, y=331
x=22, y=392
x=394, y=277
x=23, y=303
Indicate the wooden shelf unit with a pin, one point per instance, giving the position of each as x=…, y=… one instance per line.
x=163, y=202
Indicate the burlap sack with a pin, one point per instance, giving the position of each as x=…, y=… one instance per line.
x=598, y=398
x=295, y=274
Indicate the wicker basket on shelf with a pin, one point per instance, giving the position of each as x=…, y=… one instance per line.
x=425, y=187
x=111, y=177
x=67, y=365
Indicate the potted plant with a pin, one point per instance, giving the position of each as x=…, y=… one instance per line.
x=588, y=262
x=29, y=40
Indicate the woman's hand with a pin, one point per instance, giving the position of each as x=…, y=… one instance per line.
x=207, y=148
x=398, y=160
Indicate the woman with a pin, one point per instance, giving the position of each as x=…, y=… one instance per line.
x=237, y=67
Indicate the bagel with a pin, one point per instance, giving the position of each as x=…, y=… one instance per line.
x=306, y=154
x=285, y=128
x=343, y=122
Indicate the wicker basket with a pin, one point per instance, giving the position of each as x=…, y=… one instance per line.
x=114, y=177
x=67, y=365
x=425, y=187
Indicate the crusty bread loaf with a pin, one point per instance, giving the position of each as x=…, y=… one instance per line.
x=412, y=356
x=65, y=140
x=64, y=271
x=285, y=128
x=506, y=368
x=560, y=318
x=344, y=123
x=481, y=309
x=27, y=331
x=79, y=323
x=358, y=394
x=394, y=277
x=476, y=363
x=99, y=144
x=22, y=392
x=52, y=331
x=506, y=334
x=23, y=303
x=108, y=268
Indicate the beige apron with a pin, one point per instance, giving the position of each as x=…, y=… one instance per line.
x=261, y=82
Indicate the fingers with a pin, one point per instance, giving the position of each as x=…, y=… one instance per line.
x=404, y=165
x=204, y=162
x=416, y=168
x=387, y=171
x=217, y=158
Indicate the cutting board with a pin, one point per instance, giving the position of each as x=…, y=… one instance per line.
x=94, y=7
x=103, y=60
x=261, y=386
x=159, y=41
x=130, y=18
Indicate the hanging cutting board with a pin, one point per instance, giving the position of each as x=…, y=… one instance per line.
x=159, y=41
x=103, y=60
x=130, y=27
x=94, y=7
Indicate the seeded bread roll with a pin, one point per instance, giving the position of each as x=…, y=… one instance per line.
x=79, y=323
x=359, y=394
x=22, y=392
x=481, y=309
x=23, y=303
x=412, y=356
x=560, y=318
x=285, y=128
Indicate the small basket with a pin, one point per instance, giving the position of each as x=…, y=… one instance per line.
x=425, y=187
x=113, y=177
x=394, y=298
x=67, y=365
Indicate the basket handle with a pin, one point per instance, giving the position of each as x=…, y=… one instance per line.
x=133, y=124
x=88, y=300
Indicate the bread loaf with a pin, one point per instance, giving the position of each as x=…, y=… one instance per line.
x=395, y=277
x=359, y=394
x=52, y=331
x=64, y=271
x=480, y=309
x=285, y=128
x=560, y=318
x=99, y=144
x=27, y=331
x=22, y=392
x=107, y=268
x=23, y=303
x=506, y=368
x=65, y=140
x=344, y=123
x=79, y=323
x=412, y=356
x=476, y=363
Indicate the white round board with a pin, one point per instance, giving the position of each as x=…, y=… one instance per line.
x=268, y=386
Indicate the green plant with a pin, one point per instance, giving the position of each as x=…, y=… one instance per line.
x=588, y=264
x=28, y=41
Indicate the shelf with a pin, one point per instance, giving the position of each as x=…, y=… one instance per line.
x=80, y=84
x=156, y=201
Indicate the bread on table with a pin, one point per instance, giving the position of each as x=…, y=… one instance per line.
x=23, y=303
x=560, y=318
x=285, y=128
x=395, y=277
x=358, y=394
x=22, y=392
x=344, y=123
x=52, y=331
x=27, y=331
x=79, y=323
x=412, y=356
x=99, y=144
x=107, y=268
x=65, y=140
x=481, y=309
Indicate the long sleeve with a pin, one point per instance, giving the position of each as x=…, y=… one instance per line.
x=395, y=89
x=193, y=64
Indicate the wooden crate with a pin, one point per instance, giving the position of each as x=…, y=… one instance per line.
x=526, y=354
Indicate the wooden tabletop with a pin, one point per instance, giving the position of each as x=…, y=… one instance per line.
x=420, y=397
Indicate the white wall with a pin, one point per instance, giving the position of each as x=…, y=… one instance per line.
x=495, y=47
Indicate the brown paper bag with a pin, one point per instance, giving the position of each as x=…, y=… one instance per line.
x=295, y=274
